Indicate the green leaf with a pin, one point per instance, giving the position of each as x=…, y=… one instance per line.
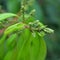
x=2, y=51
x=43, y=49
x=37, y=48
x=2, y=46
x=29, y=47
x=14, y=28
x=11, y=41
x=2, y=39
x=11, y=49
x=4, y=16
x=24, y=37
x=8, y=55
x=33, y=47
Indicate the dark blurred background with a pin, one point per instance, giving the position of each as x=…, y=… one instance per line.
x=48, y=12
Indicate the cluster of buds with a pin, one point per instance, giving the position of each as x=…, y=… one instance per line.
x=39, y=27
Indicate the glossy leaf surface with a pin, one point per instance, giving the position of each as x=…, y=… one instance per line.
x=4, y=16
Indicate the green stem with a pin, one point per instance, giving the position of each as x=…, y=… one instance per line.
x=23, y=9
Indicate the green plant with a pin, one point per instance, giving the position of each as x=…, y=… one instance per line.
x=23, y=40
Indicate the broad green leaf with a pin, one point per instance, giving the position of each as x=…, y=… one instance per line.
x=2, y=46
x=2, y=39
x=33, y=43
x=8, y=55
x=14, y=28
x=37, y=48
x=22, y=43
x=43, y=49
x=4, y=16
x=29, y=47
x=11, y=53
x=2, y=51
x=11, y=41
x=22, y=40
x=33, y=48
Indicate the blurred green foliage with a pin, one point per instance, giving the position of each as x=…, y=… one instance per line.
x=48, y=11
x=51, y=9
